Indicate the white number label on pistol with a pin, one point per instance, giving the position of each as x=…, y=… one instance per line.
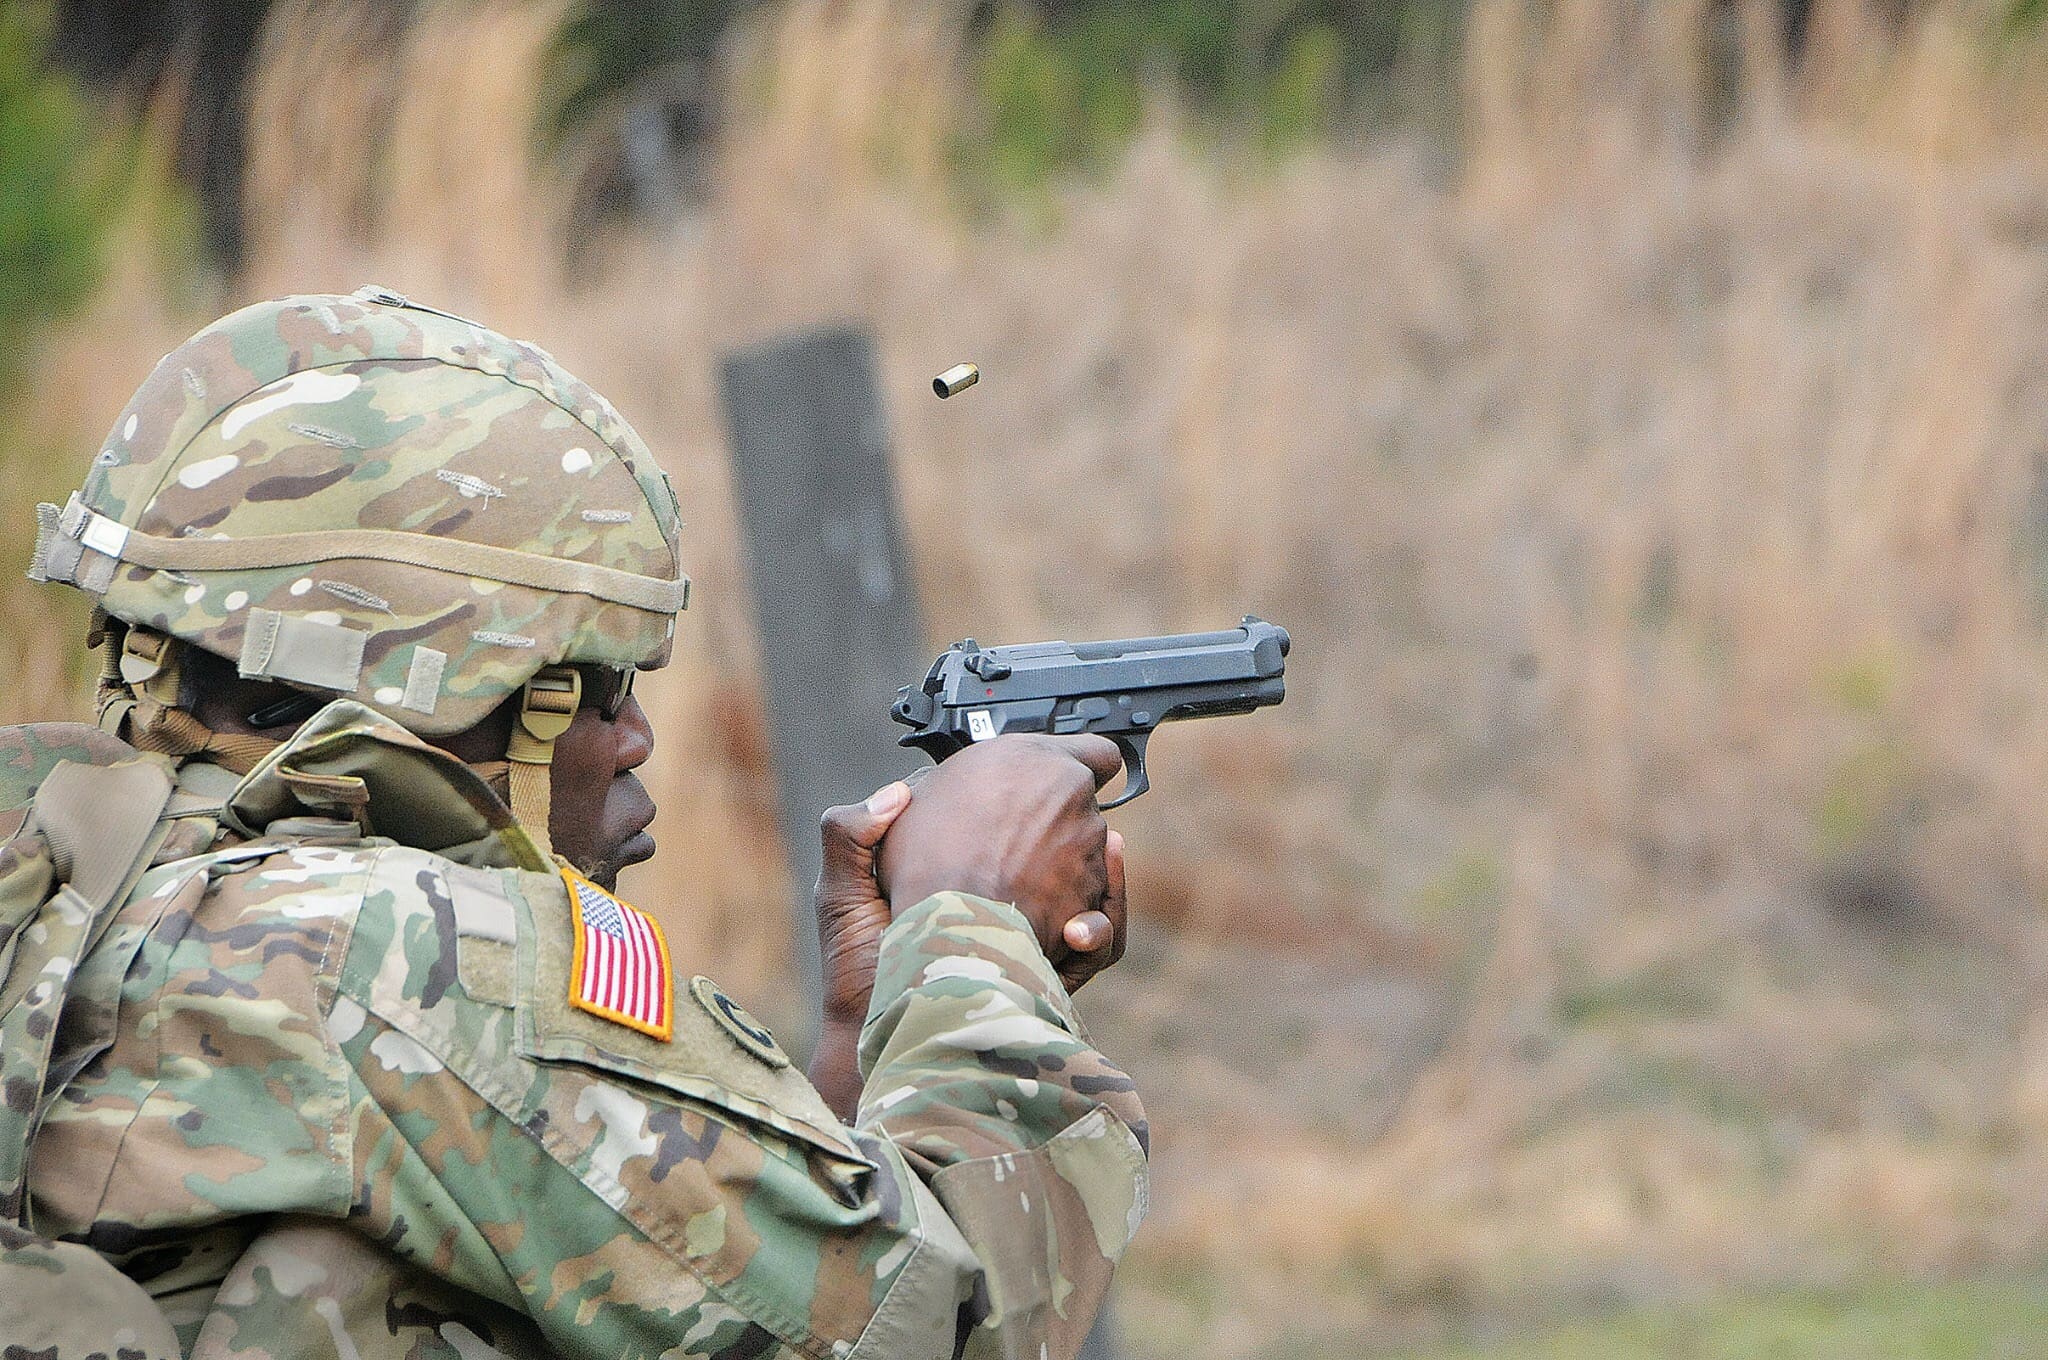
x=980, y=725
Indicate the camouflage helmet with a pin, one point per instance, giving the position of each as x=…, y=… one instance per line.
x=366, y=496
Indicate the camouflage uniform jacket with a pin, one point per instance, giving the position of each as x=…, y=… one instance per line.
x=344, y=1109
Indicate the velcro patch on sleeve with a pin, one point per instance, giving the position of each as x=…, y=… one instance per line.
x=620, y=970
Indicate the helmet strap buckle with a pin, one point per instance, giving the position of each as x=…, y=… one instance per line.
x=149, y=667
x=547, y=706
x=145, y=654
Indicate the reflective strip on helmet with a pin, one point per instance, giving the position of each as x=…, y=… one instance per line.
x=652, y=593
x=103, y=535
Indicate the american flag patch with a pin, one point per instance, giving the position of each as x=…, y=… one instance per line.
x=620, y=970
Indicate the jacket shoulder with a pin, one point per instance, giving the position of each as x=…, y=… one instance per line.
x=29, y=751
x=431, y=934
x=402, y=933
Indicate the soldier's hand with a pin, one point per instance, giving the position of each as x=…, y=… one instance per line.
x=1015, y=819
x=1095, y=939
x=852, y=912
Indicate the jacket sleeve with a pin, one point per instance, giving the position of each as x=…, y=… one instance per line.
x=977, y=1068
x=638, y=1197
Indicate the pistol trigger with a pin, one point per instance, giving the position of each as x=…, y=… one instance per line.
x=1132, y=745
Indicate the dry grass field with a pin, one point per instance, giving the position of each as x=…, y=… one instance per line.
x=1639, y=899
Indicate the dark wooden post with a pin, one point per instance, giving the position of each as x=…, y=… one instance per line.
x=833, y=598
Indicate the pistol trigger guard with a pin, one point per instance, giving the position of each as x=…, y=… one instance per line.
x=1136, y=781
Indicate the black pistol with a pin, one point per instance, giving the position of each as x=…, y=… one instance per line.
x=1121, y=689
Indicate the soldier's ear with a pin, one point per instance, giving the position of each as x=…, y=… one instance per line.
x=483, y=744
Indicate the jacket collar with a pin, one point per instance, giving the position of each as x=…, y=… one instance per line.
x=351, y=764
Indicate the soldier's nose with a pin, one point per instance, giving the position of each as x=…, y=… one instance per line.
x=636, y=736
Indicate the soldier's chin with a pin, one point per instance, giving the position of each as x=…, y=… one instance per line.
x=605, y=872
x=637, y=850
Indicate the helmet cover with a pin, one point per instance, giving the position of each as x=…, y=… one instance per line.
x=370, y=497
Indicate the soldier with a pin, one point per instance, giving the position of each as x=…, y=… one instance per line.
x=319, y=1017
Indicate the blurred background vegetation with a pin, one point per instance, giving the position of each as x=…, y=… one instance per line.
x=54, y=184
x=1629, y=939
x=1056, y=88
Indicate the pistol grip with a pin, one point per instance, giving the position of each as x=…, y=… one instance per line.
x=1136, y=781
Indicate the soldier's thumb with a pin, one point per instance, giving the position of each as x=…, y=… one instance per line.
x=851, y=833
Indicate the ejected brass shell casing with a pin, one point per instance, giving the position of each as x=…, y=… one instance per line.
x=954, y=380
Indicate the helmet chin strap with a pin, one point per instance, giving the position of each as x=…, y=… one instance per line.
x=546, y=708
x=139, y=703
